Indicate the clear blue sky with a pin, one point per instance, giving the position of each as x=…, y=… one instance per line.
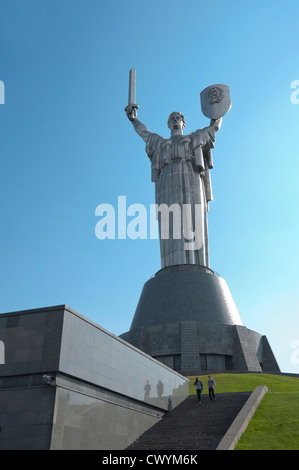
x=67, y=146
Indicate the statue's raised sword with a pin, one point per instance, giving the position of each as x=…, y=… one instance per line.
x=132, y=106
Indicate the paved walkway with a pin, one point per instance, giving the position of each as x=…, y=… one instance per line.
x=191, y=426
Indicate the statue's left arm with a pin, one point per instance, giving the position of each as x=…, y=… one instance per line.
x=203, y=141
x=208, y=133
x=216, y=123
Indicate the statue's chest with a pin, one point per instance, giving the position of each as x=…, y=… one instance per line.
x=178, y=147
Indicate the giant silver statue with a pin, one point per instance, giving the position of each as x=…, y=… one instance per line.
x=181, y=167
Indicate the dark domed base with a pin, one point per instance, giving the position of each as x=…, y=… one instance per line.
x=186, y=318
x=185, y=293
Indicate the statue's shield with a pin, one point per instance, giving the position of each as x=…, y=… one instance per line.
x=215, y=101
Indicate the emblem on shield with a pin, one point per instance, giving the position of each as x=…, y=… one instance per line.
x=215, y=101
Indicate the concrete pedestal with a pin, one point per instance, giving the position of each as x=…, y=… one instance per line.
x=186, y=318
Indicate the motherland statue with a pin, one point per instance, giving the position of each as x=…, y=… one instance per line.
x=180, y=169
x=186, y=316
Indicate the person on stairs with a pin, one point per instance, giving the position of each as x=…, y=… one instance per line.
x=211, y=385
x=199, y=388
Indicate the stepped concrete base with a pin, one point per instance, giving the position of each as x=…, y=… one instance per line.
x=187, y=319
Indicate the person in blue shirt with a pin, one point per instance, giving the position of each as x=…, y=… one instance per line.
x=199, y=388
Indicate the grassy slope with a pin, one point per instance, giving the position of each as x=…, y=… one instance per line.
x=275, y=424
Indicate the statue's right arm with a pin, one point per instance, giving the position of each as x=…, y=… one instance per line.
x=141, y=129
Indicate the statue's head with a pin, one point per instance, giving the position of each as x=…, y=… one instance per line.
x=176, y=120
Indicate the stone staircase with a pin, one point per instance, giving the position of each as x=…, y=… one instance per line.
x=191, y=426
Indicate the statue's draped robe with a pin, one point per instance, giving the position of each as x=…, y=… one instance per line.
x=181, y=173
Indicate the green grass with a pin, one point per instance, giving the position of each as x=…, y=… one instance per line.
x=275, y=424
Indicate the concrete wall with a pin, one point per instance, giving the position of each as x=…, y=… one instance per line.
x=98, y=398
x=26, y=412
x=97, y=356
x=87, y=417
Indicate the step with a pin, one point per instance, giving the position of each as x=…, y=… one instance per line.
x=193, y=426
